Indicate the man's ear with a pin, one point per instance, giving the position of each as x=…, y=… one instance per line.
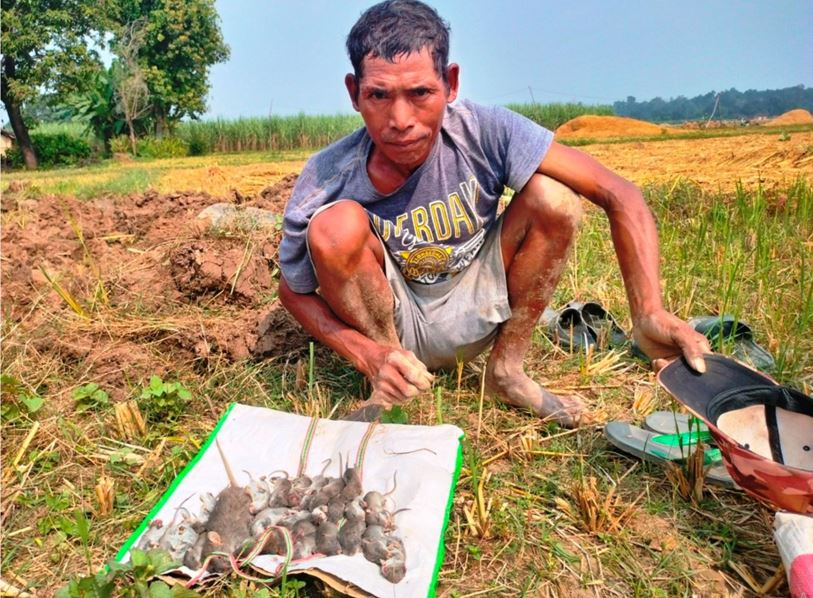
x=453, y=79
x=352, y=88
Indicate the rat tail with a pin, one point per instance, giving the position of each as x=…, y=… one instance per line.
x=229, y=473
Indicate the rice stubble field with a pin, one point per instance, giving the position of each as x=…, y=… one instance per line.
x=116, y=301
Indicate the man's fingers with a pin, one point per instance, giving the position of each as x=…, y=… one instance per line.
x=392, y=385
x=693, y=350
x=412, y=370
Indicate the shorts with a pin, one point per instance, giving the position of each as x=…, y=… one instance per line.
x=456, y=319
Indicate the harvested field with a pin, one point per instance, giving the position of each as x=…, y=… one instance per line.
x=715, y=163
x=538, y=511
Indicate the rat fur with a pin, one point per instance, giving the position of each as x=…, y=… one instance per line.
x=229, y=525
x=259, y=492
x=350, y=535
x=327, y=539
x=374, y=544
x=393, y=566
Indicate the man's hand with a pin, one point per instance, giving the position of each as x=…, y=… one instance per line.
x=397, y=376
x=663, y=337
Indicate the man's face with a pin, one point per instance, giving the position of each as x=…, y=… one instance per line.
x=402, y=104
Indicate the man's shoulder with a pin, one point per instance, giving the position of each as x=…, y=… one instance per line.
x=326, y=169
x=475, y=120
x=340, y=154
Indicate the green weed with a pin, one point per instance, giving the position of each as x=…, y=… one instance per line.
x=163, y=401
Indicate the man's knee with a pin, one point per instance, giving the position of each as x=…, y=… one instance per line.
x=551, y=203
x=340, y=232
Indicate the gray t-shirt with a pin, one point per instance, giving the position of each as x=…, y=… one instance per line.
x=435, y=223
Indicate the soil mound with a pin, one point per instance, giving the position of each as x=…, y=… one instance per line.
x=153, y=292
x=589, y=126
x=799, y=116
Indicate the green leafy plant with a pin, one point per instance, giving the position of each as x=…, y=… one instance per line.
x=396, y=415
x=164, y=400
x=131, y=579
x=90, y=396
x=53, y=149
x=120, y=144
x=16, y=400
x=165, y=147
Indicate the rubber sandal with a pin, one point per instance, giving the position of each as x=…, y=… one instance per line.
x=601, y=323
x=725, y=330
x=659, y=448
x=671, y=422
x=569, y=330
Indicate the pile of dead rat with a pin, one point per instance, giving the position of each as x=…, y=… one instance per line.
x=298, y=517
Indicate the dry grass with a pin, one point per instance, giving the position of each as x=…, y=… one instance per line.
x=538, y=511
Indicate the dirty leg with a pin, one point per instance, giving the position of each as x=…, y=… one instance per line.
x=349, y=264
x=538, y=230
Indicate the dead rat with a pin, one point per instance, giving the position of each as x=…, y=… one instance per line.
x=180, y=535
x=299, y=489
x=259, y=492
x=179, y=539
x=152, y=537
x=229, y=525
x=352, y=484
x=274, y=542
x=383, y=518
x=293, y=517
x=321, y=479
x=335, y=509
x=393, y=567
x=374, y=544
x=280, y=490
x=194, y=556
x=375, y=500
x=266, y=518
x=303, y=536
x=350, y=535
x=327, y=539
x=354, y=509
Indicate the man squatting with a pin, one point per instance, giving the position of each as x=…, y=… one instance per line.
x=393, y=254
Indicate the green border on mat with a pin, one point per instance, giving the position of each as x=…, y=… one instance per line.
x=449, y=503
x=171, y=490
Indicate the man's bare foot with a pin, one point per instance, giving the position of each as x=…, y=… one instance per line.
x=519, y=390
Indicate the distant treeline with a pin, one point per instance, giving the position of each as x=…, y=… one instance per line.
x=733, y=104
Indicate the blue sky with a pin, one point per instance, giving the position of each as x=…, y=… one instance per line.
x=288, y=56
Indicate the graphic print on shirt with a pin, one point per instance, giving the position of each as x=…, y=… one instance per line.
x=415, y=238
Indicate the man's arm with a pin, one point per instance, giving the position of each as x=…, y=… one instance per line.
x=660, y=335
x=395, y=374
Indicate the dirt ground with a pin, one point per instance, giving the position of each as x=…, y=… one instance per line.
x=179, y=294
x=154, y=255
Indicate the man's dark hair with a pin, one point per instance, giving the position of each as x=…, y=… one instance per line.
x=397, y=27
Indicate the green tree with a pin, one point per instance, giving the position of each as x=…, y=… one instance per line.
x=181, y=41
x=47, y=49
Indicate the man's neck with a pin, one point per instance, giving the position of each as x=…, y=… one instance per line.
x=385, y=176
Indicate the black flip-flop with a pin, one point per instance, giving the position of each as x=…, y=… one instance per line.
x=601, y=323
x=724, y=330
x=569, y=330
